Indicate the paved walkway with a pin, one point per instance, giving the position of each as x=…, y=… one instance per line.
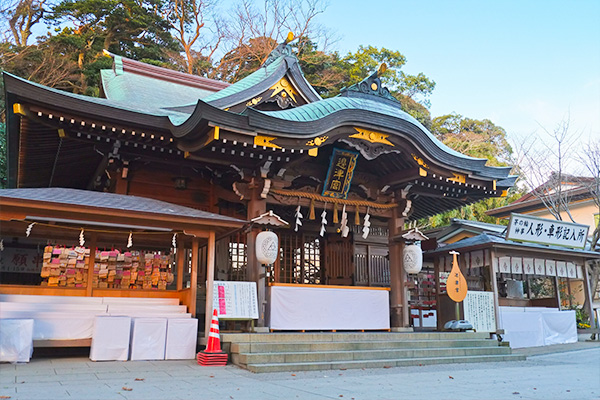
x=565, y=372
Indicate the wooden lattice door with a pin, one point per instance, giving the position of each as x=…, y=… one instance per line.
x=339, y=260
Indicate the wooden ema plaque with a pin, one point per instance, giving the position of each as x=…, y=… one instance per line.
x=456, y=286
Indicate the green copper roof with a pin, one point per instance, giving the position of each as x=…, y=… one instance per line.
x=320, y=109
x=149, y=109
x=143, y=91
x=254, y=78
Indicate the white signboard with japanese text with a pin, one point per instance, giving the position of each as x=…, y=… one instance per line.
x=526, y=228
x=479, y=311
x=235, y=300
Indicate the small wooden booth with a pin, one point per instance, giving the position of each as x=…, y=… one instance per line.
x=69, y=242
x=515, y=287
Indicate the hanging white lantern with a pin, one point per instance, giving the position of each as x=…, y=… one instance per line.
x=267, y=247
x=412, y=258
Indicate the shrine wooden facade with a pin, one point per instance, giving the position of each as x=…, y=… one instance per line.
x=263, y=143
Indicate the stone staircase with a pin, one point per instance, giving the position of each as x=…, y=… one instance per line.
x=277, y=352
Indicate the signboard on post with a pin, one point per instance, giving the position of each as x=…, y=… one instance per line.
x=479, y=311
x=525, y=228
x=235, y=300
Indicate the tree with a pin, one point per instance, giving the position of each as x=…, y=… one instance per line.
x=479, y=139
x=130, y=28
x=367, y=59
x=476, y=138
x=21, y=16
x=187, y=20
x=544, y=166
x=254, y=32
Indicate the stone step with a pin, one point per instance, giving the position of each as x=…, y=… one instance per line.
x=364, y=355
x=341, y=365
x=357, y=345
x=347, y=336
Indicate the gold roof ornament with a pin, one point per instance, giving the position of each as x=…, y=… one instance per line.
x=289, y=38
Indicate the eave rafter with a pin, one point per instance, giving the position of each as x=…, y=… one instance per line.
x=93, y=129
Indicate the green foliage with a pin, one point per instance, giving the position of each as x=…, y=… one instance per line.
x=134, y=29
x=476, y=138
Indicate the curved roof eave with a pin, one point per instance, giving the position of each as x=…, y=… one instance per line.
x=253, y=85
x=86, y=105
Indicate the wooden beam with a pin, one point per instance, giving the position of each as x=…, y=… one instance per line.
x=92, y=260
x=194, y=276
x=494, y=282
x=180, y=264
x=210, y=278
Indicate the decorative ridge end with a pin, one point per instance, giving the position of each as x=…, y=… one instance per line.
x=371, y=85
x=282, y=49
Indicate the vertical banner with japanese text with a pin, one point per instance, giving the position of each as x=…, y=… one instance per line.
x=339, y=175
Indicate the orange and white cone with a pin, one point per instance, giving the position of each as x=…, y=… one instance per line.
x=213, y=355
x=214, y=341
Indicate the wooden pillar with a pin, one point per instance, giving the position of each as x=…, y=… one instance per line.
x=398, y=296
x=589, y=296
x=194, y=277
x=180, y=263
x=256, y=272
x=557, y=286
x=210, y=278
x=436, y=277
x=91, y=262
x=494, y=282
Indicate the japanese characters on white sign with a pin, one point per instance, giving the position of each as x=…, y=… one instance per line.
x=546, y=231
x=479, y=311
x=235, y=300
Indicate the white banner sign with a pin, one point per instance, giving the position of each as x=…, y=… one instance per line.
x=526, y=228
x=479, y=311
x=235, y=300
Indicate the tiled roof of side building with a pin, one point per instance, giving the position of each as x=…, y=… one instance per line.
x=494, y=239
x=104, y=200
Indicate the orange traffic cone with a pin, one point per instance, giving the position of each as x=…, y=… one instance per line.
x=213, y=355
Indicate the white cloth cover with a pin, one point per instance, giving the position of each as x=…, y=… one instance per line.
x=33, y=298
x=559, y=327
x=522, y=329
x=314, y=308
x=110, y=340
x=139, y=301
x=537, y=326
x=16, y=340
x=148, y=338
x=126, y=309
x=182, y=335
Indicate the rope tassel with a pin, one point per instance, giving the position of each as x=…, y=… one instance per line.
x=356, y=217
x=335, y=213
x=311, y=214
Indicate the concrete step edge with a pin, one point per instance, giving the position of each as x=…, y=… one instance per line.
x=304, y=366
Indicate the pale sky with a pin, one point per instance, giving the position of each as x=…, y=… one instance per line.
x=520, y=64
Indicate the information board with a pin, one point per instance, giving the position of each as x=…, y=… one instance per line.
x=235, y=300
x=479, y=311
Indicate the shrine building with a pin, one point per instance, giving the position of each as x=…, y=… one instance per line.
x=177, y=166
